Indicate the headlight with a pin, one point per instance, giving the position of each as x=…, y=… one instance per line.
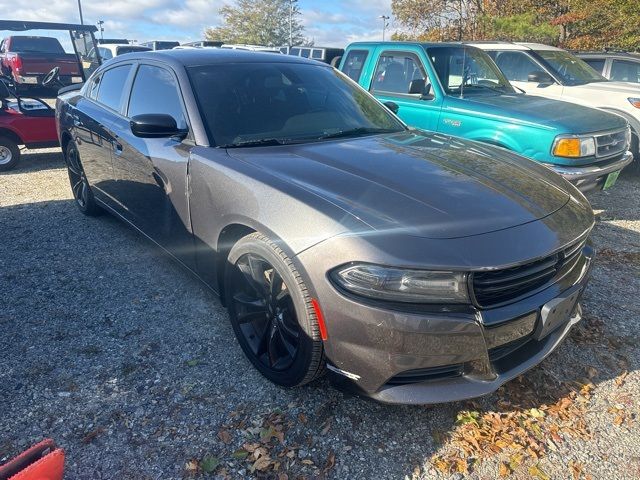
x=574, y=147
x=402, y=285
x=635, y=101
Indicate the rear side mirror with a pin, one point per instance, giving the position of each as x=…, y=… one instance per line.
x=156, y=125
x=539, y=76
x=394, y=107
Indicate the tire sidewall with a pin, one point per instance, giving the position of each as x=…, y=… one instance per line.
x=295, y=374
x=90, y=207
x=15, y=154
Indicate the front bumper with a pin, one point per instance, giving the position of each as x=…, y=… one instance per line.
x=376, y=351
x=591, y=177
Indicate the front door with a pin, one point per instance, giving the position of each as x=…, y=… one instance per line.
x=518, y=66
x=151, y=173
x=392, y=80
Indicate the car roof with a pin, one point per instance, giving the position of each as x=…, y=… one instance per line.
x=214, y=56
x=513, y=46
x=608, y=53
x=422, y=44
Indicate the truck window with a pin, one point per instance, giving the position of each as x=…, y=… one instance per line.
x=316, y=53
x=353, y=64
x=624, y=71
x=111, y=92
x=396, y=70
x=36, y=44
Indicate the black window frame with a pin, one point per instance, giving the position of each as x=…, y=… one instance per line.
x=624, y=60
x=385, y=93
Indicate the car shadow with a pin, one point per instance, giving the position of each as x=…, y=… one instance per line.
x=138, y=358
x=38, y=160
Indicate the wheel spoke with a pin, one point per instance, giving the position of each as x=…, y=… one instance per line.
x=263, y=343
x=75, y=188
x=272, y=346
x=276, y=285
x=253, y=269
x=289, y=347
x=249, y=309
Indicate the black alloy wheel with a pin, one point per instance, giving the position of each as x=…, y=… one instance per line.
x=79, y=184
x=271, y=313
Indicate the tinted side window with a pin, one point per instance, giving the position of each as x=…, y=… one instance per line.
x=624, y=71
x=111, y=88
x=516, y=66
x=353, y=64
x=155, y=91
x=596, y=63
x=396, y=70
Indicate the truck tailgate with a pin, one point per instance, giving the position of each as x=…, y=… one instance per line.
x=42, y=63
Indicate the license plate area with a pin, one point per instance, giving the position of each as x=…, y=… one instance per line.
x=556, y=313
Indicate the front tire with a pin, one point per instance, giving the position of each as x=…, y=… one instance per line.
x=82, y=194
x=9, y=154
x=271, y=313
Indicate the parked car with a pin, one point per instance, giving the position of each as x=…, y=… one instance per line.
x=109, y=50
x=615, y=65
x=322, y=54
x=28, y=59
x=458, y=90
x=417, y=267
x=160, y=44
x=203, y=44
x=555, y=73
x=250, y=48
x=24, y=121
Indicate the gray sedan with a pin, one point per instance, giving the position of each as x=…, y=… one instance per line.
x=414, y=267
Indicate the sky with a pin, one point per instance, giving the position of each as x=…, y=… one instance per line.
x=329, y=22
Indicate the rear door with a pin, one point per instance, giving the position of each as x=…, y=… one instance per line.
x=152, y=172
x=393, y=73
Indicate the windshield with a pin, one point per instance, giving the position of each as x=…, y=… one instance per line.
x=280, y=103
x=36, y=44
x=570, y=69
x=471, y=71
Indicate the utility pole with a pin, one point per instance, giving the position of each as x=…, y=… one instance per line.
x=384, y=24
x=80, y=10
x=290, y=24
x=100, y=23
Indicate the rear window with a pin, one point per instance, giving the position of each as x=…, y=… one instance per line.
x=36, y=44
x=131, y=48
x=354, y=63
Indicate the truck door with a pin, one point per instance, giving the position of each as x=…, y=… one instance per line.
x=393, y=76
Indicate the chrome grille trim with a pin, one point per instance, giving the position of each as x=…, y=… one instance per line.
x=611, y=143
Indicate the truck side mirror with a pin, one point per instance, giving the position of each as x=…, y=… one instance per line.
x=418, y=86
x=394, y=107
x=539, y=76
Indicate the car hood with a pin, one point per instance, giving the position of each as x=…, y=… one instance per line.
x=539, y=112
x=610, y=87
x=427, y=185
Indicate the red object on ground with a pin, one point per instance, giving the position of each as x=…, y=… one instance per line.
x=43, y=461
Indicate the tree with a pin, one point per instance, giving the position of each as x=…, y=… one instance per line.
x=258, y=22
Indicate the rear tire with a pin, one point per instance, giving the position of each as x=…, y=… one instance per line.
x=9, y=154
x=271, y=313
x=80, y=188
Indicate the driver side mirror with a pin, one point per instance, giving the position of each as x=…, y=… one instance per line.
x=156, y=125
x=394, y=107
x=539, y=76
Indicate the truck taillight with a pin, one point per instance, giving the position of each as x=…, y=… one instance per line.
x=17, y=63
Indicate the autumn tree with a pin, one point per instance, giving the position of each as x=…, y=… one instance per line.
x=258, y=22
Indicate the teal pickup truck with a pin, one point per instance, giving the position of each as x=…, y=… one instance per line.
x=459, y=90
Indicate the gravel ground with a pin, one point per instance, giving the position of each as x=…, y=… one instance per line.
x=130, y=364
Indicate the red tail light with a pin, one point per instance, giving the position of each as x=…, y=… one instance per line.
x=17, y=63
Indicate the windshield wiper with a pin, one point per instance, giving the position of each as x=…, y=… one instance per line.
x=257, y=143
x=354, y=132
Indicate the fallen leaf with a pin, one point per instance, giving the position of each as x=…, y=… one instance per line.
x=504, y=470
x=191, y=466
x=240, y=454
x=535, y=471
x=209, y=463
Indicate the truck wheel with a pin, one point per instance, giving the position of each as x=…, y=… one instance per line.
x=9, y=154
x=80, y=188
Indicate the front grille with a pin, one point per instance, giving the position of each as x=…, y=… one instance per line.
x=611, y=143
x=426, y=374
x=502, y=286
